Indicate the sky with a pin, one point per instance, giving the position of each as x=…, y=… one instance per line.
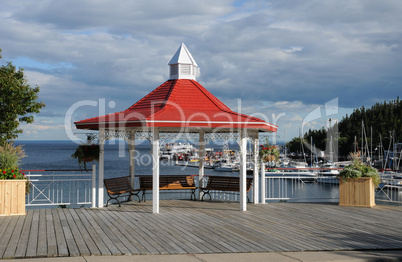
x=294, y=63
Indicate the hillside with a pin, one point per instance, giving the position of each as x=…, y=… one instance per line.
x=384, y=119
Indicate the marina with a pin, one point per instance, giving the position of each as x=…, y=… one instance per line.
x=198, y=227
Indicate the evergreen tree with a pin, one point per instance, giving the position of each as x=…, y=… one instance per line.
x=382, y=118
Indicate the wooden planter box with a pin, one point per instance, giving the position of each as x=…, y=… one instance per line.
x=12, y=197
x=357, y=192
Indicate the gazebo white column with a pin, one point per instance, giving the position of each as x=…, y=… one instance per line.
x=201, y=155
x=256, y=179
x=131, y=154
x=243, y=172
x=102, y=140
x=155, y=171
x=263, y=183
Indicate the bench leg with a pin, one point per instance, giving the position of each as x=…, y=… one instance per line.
x=206, y=192
x=134, y=194
x=111, y=198
x=143, y=195
x=193, y=194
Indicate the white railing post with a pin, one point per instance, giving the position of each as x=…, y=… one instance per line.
x=93, y=186
x=263, y=183
x=201, y=155
x=101, y=167
x=131, y=153
x=243, y=175
x=155, y=171
x=255, y=172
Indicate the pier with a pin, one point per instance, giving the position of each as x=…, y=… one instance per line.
x=199, y=227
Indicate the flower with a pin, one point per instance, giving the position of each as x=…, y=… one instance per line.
x=269, y=153
x=14, y=176
x=4, y=172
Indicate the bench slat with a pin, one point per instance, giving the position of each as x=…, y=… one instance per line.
x=169, y=182
x=223, y=183
x=117, y=186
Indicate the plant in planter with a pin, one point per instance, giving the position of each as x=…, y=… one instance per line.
x=357, y=169
x=269, y=153
x=357, y=183
x=10, y=160
x=13, y=183
x=87, y=152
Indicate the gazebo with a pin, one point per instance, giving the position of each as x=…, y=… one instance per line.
x=179, y=107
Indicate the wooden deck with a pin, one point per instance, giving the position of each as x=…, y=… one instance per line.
x=198, y=227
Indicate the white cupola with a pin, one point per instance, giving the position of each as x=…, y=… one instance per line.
x=182, y=65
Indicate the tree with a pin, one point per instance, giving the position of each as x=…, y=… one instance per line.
x=18, y=101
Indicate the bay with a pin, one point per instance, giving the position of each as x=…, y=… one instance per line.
x=56, y=155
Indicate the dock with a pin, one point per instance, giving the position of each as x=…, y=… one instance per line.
x=199, y=227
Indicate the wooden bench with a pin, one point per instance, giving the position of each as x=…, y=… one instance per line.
x=117, y=186
x=169, y=182
x=224, y=183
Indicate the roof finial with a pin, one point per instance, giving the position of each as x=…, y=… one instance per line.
x=182, y=65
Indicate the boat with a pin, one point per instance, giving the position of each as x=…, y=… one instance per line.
x=328, y=174
x=391, y=179
x=297, y=164
x=225, y=166
x=304, y=175
x=169, y=150
x=329, y=169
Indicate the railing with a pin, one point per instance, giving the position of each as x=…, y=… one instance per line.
x=282, y=186
x=299, y=189
x=389, y=191
x=61, y=187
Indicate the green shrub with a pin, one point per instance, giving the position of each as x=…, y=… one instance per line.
x=358, y=169
x=10, y=159
x=10, y=155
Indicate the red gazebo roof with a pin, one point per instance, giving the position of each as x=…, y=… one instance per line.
x=180, y=102
x=177, y=103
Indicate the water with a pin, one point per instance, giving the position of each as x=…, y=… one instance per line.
x=50, y=155
x=56, y=155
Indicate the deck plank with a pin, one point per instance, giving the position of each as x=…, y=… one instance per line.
x=12, y=244
x=33, y=235
x=95, y=236
x=85, y=236
x=199, y=227
x=109, y=230
x=50, y=234
x=95, y=222
x=131, y=235
x=42, y=235
x=121, y=248
x=150, y=242
x=23, y=241
x=78, y=238
x=119, y=230
x=6, y=233
x=73, y=250
x=62, y=248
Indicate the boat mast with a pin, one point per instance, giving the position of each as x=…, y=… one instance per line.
x=311, y=149
x=362, y=147
x=371, y=144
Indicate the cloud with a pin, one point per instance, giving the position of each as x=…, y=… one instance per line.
x=284, y=56
x=294, y=49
